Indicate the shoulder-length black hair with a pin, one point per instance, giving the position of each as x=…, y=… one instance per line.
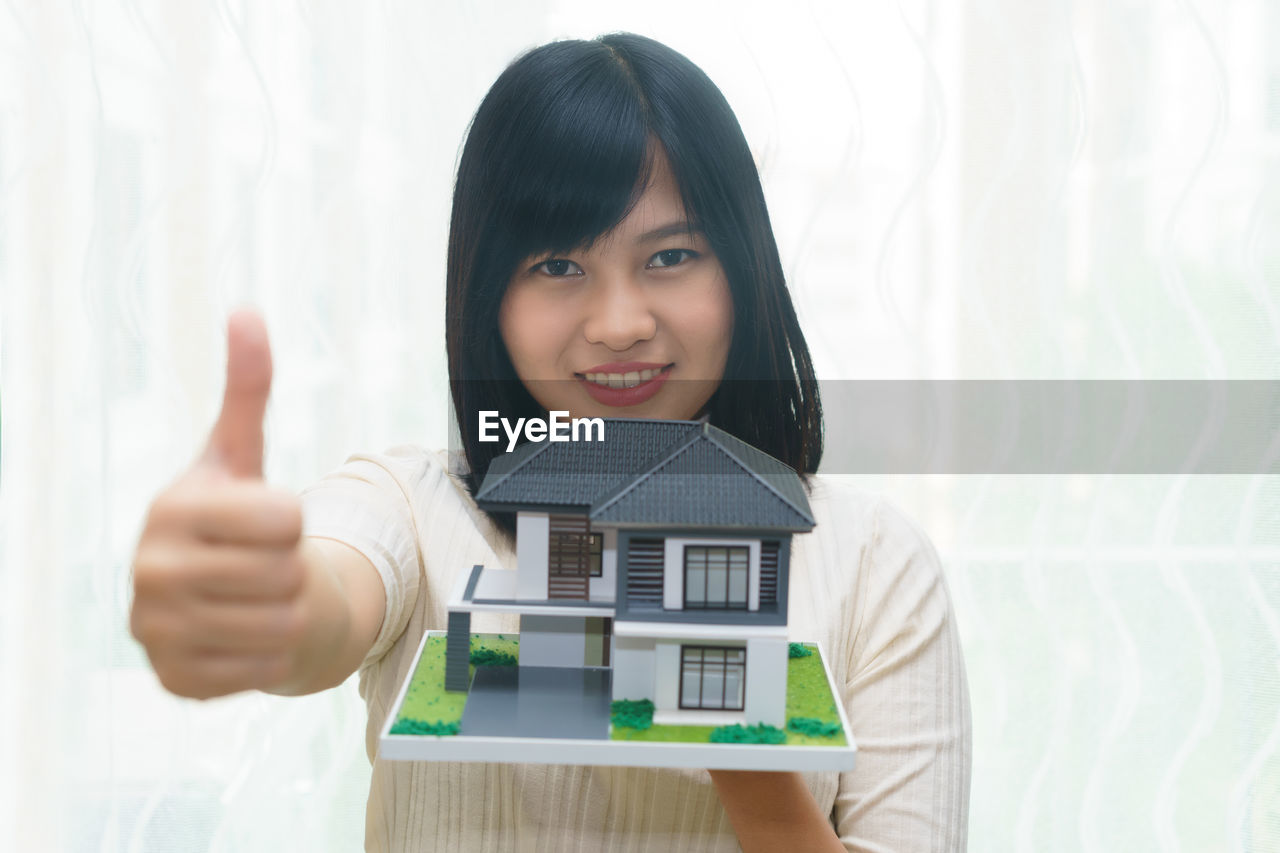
x=556, y=156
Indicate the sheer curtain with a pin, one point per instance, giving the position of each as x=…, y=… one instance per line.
x=995, y=189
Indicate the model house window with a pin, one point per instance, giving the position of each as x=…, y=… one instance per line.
x=715, y=576
x=712, y=677
x=594, y=555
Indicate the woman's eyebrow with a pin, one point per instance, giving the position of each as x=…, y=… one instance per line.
x=671, y=229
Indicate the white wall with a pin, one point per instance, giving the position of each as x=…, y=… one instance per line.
x=604, y=588
x=532, y=540
x=552, y=640
x=634, y=668
x=766, y=699
x=666, y=662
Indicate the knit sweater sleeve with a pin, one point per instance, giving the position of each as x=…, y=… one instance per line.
x=366, y=504
x=906, y=694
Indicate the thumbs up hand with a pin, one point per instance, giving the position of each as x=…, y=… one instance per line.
x=219, y=577
x=236, y=442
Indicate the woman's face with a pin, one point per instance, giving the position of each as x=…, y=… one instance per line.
x=639, y=326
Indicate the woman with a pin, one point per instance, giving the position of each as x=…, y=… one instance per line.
x=610, y=254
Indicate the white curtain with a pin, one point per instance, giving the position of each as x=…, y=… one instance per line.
x=995, y=189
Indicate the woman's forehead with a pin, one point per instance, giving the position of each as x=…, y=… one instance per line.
x=656, y=214
x=659, y=214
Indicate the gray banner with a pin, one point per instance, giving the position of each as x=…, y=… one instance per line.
x=1021, y=427
x=1052, y=427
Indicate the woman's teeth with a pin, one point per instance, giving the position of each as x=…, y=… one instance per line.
x=622, y=380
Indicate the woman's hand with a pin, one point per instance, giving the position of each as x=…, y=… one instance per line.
x=221, y=587
x=773, y=812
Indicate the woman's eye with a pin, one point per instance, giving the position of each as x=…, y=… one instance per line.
x=556, y=267
x=671, y=257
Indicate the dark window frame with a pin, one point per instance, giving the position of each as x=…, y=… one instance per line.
x=724, y=664
x=706, y=604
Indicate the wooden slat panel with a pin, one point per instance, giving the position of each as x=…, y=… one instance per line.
x=569, y=558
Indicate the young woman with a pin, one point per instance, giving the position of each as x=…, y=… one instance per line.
x=610, y=254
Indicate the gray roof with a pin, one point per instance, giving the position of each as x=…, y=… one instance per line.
x=652, y=472
x=574, y=473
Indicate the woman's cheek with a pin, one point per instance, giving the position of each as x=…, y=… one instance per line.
x=513, y=322
x=530, y=330
x=711, y=319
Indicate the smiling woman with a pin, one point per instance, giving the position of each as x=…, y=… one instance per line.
x=611, y=254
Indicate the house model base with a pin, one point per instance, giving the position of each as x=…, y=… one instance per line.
x=651, y=589
x=558, y=715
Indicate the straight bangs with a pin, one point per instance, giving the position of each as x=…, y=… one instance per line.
x=581, y=168
x=562, y=154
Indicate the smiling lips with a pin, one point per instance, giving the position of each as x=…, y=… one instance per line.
x=624, y=384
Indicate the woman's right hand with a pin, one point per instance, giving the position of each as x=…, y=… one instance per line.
x=219, y=577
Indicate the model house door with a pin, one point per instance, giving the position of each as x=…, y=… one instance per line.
x=599, y=635
x=569, y=558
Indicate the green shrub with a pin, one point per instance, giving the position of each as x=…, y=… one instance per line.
x=410, y=726
x=812, y=727
x=484, y=656
x=798, y=650
x=759, y=733
x=632, y=713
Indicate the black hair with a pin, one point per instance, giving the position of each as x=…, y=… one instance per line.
x=557, y=154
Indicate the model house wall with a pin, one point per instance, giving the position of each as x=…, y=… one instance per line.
x=646, y=557
x=552, y=640
x=532, y=539
x=605, y=587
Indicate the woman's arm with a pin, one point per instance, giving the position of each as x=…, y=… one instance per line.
x=343, y=601
x=773, y=812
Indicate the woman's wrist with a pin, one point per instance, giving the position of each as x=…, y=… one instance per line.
x=773, y=812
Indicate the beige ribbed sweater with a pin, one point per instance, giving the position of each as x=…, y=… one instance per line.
x=866, y=583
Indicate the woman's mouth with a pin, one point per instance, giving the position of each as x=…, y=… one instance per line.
x=630, y=379
x=624, y=388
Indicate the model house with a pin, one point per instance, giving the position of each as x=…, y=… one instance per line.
x=656, y=559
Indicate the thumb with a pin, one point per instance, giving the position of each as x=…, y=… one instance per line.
x=236, y=441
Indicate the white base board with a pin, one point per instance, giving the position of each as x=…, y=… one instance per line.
x=617, y=753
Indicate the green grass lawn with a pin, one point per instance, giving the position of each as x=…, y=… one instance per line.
x=807, y=696
x=426, y=699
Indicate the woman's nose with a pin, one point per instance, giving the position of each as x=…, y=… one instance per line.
x=619, y=315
